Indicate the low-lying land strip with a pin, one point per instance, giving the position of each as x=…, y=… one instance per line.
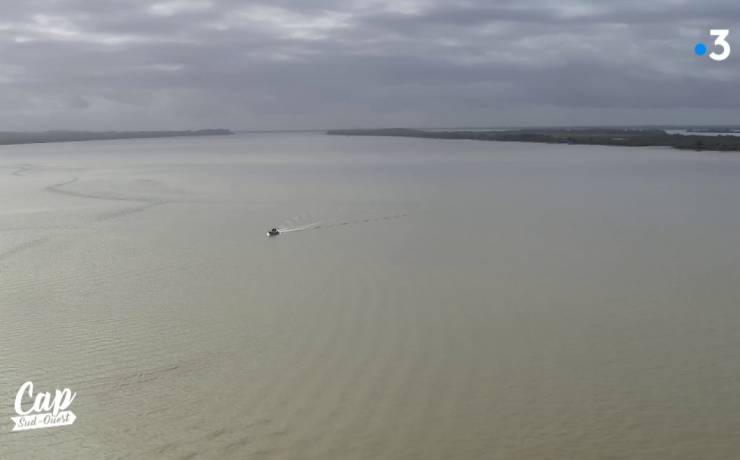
x=13, y=137
x=629, y=137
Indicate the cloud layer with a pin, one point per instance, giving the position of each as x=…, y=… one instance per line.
x=132, y=64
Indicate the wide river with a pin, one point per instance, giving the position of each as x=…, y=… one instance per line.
x=428, y=299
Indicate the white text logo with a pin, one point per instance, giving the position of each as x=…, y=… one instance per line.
x=42, y=410
x=720, y=43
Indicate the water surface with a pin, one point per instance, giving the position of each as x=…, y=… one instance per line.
x=435, y=299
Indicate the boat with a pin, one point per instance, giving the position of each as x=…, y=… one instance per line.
x=273, y=232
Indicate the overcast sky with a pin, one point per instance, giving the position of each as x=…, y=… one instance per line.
x=132, y=64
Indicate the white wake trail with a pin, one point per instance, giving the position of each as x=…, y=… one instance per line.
x=299, y=229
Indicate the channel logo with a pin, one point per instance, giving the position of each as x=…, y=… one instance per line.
x=720, y=44
x=42, y=409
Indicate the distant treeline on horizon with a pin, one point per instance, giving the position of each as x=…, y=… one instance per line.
x=17, y=137
x=627, y=137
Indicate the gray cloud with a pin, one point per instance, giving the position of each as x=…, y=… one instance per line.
x=135, y=64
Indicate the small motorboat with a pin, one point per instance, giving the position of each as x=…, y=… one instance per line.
x=273, y=232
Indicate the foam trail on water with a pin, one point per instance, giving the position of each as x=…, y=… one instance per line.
x=298, y=229
x=324, y=224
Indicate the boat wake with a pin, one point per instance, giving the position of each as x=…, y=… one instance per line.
x=329, y=224
x=286, y=229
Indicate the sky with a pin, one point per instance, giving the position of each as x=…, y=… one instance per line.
x=315, y=64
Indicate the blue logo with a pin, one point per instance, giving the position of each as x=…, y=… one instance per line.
x=700, y=49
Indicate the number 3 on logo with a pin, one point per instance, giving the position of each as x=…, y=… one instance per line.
x=721, y=35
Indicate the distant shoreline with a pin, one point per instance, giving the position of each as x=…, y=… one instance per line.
x=626, y=137
x=15, y=138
